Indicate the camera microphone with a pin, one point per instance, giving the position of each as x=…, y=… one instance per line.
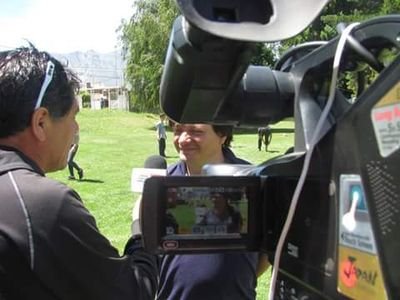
x=154, y=165
x=155, y=162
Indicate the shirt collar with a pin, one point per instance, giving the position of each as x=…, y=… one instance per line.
x=12, y=159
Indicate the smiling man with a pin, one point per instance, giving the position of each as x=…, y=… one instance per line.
x=200, y=144
x=219, y=276
x=50, y=246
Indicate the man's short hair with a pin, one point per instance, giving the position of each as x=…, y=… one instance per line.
x=224, y=131
x=22, y=73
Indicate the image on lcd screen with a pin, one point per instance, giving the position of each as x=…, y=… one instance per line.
x=206, y=211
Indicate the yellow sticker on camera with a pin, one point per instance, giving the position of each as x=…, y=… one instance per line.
x=360, y=275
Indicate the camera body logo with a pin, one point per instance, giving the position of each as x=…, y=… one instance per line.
x=360, y=275
x=350, y=273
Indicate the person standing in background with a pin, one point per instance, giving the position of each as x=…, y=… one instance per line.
x=71, y=163
x=161, y=135
x=264, y=137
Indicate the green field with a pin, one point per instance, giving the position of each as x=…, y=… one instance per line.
x=113, y=142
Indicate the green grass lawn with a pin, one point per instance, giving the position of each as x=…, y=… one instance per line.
x=113, y=142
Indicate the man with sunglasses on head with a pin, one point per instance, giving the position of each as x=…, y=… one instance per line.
x=50, y=246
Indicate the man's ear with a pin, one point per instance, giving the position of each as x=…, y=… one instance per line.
x=223, y=139
x=39, y=123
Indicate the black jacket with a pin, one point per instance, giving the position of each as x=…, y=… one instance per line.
x=51, y=248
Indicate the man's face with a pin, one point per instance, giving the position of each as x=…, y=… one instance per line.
x=197, y=143
x=60, y=137
x=220, y=203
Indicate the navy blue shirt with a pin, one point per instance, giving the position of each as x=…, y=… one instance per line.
x=218, y=276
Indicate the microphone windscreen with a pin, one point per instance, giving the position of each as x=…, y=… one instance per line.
x=155, y=162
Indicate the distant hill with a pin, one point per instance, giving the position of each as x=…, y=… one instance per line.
x=98, y=69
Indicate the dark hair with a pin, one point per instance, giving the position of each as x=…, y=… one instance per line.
x=22, y=72
x=224, y=130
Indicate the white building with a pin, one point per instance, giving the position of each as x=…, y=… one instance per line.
x=111, y=97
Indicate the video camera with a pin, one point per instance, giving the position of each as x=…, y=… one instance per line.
x=328, y=212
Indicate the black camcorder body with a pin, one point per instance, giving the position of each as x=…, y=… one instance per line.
x=342, y=240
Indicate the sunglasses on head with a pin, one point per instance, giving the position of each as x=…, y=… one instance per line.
x=49, y=76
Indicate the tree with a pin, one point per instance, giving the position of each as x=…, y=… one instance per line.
x=323, y=28
x=85, y=99
x=145, y=40
x=265, y=54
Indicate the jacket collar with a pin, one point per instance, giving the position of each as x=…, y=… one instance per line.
x=13, y=159
x=179, y=168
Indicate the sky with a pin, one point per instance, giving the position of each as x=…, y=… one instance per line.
x=63, y=26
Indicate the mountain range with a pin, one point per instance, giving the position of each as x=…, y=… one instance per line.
x=95, y=69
